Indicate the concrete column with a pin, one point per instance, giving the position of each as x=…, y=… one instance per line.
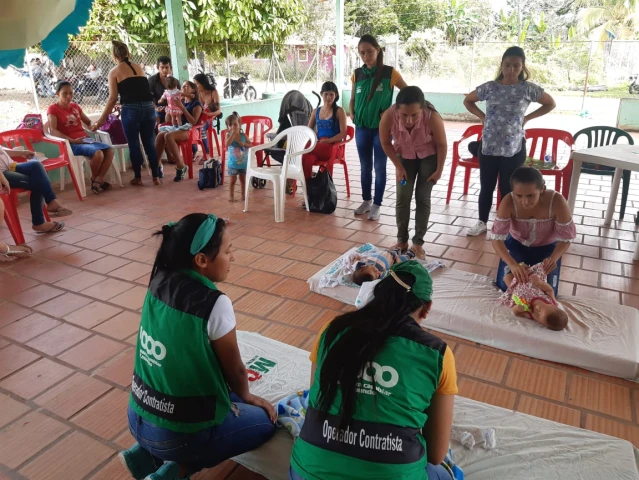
x=339, y=45
x=177, y=39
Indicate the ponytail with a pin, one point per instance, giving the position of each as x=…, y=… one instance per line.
x=175, y=250
x=353, y=340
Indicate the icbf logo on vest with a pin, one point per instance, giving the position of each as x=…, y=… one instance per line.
x=151, y=351
x=385, y=377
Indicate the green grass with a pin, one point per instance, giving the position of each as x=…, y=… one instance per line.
x=618, y=91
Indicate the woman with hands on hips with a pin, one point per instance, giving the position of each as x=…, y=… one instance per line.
x=412, y=135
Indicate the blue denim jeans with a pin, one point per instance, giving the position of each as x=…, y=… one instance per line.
x=32, y=176
x=242, y=430
x=138, y=122
x=434, y=472
x=371, y=153
x=530, y=256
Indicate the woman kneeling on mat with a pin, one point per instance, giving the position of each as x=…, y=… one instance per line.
x=382, y=390
x=533, y=225
x=180, y=411
x=413, y=136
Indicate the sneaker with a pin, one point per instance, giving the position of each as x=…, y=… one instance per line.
x=138, y=462
x=374, y=213
x=180, y=173
x=479, y=228
x=168, y=471
x=364, y=207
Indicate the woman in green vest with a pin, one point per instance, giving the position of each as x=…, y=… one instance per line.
x=382, y=390
x=371, y=94
x=187, y=358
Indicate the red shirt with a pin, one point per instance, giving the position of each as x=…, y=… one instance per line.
x=69, y=119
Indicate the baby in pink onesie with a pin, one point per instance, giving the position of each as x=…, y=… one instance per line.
x=534, y=299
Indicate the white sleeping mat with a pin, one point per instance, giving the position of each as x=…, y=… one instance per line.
x=602, y=337
x=528, y=448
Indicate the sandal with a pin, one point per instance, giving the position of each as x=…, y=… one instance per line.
x=95, y=186
x=57, y=226
x=136, y=182
x=105, y=186
x=401, y=245
x=12, y=255
x=157, y=181
x=60, y=212
x=419, y=252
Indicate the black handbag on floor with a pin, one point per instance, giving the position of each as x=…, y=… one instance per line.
x=210, y=175
x=322, y=196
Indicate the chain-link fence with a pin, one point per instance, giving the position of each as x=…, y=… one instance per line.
x=258, y=70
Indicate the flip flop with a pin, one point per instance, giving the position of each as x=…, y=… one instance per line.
x=11, y=255
x=57, y=226
x=419, y=252
x=60, y=212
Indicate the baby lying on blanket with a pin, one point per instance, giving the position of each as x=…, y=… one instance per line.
x=372, y=266
x=534, y=299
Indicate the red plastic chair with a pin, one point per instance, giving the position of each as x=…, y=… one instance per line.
x=195, y=138
x=338, y=155
x=26, y=137
x=543, y=136
x=258, y=125
x=11, y=217
x=467, y=163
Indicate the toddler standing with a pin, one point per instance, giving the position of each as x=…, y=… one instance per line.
x=171, y=95
x=237, y=145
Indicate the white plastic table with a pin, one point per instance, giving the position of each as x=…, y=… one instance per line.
x=621, y=157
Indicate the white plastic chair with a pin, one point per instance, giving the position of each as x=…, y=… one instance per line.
x=296, y=146
x=78, y=161
x=119, y=148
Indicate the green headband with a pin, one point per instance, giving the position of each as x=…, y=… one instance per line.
x=203, y=235
x=423, y=286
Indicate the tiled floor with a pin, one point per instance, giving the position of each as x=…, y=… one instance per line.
x=69, y=316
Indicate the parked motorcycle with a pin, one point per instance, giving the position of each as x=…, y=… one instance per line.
x=634, y=84
x=85, y=86
x=241, y=87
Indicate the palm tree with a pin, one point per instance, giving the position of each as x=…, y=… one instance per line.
x=609, y=19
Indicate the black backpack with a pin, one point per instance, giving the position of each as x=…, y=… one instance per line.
x=210, y=175
x=322, y=196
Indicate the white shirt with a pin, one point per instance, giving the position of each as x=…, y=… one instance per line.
x=222, y=318
x=5, y=160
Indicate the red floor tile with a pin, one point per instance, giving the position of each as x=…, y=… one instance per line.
x=28, y=327
x=72, y=395
x=107, y=417
x=58, y=340
x=92, y=314
x=35, y=378
x=92, y=352
x=62, y=305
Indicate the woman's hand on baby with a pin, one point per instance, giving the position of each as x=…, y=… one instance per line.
x=263, y=404
x=520, y=272
x=549, y=265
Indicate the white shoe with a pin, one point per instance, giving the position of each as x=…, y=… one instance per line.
x=374, y=213
x=364, y=207
x=479, y=228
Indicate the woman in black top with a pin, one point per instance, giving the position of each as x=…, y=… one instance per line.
x=128, y=80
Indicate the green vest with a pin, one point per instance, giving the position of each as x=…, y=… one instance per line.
x=368, y=112
x=177, y=380
x=383, y=439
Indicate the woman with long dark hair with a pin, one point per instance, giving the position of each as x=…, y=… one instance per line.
x=371, y=94
x=128, y=80
x=329, y=121
x=413, y=136
x=503, y=145
x=169, y=140
x=210, y=99
x=382, y=390
x=190, y=404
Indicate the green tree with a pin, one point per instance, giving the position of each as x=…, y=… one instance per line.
x=394, y=17
x=607, y=19
x=205, y=21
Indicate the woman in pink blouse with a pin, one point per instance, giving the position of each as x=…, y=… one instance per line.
x=533, y=225
x=412, y=135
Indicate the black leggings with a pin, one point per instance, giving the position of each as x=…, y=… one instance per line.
x=492, y=167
